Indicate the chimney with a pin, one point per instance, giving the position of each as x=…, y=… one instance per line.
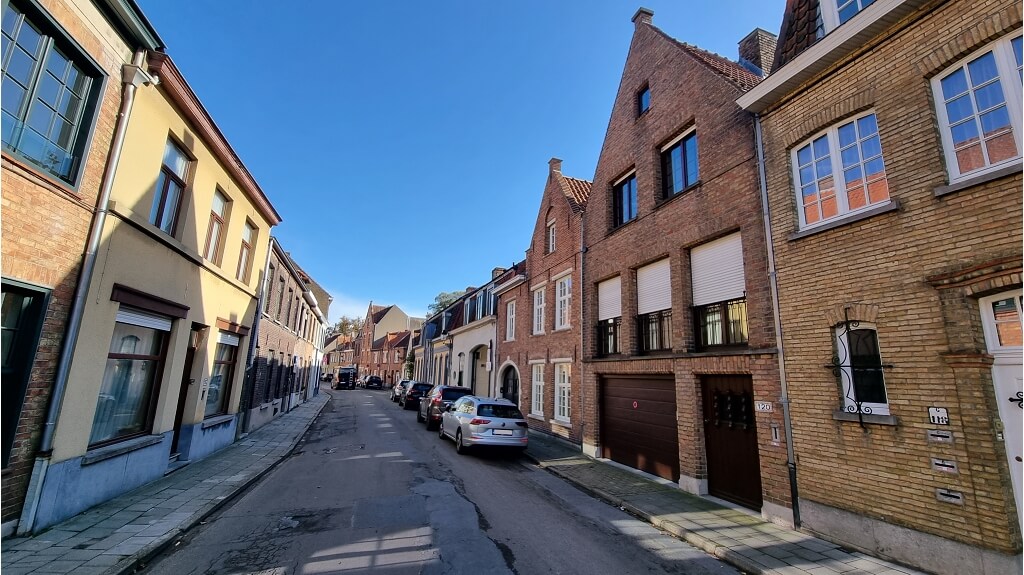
x=554, y=165
x=757, y=50
x=497, y=272
x=643, y=16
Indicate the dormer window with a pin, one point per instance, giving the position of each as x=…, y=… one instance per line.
x=848, y=8
x=643, y=100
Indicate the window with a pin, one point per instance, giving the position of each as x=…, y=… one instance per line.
x=719, y=293
x=624, y=200
x=860, y=371
x=223, y=372
x=21, y=318
x=169, y=186
x=679, y=165
x=216, y=227
x=398, y=357
x=563, y=300
x=376, y=357
x=980, y=132
x=538, y=311
x=131, y=380
x=537, y=393
x=1002, y=323
x=840, y=171
x=245, y=254
x=49, y=95
x=562, y=387
x=551, y=238
x=654, y=306
x=510, y=321
x=643, y=100
x=847, y=8
x=609, y=315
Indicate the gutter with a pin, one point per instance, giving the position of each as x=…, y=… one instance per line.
x=132, y=76
x=794, y=493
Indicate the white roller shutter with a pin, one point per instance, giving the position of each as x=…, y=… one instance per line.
x=228, y=338
x=654, y=287
x=717, y=269
x=609, y=299
x=143, y=319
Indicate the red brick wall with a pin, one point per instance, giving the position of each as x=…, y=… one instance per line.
x=684, y=94
x=44, y=233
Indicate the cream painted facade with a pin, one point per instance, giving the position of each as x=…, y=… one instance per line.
x=140, y=267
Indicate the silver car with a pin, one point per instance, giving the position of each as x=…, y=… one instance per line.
x=473, y=420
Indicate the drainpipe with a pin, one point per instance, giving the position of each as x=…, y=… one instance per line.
x=132, y=76
x=774, y=286
x=583, y=328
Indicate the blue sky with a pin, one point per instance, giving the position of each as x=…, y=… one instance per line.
x=405, y=143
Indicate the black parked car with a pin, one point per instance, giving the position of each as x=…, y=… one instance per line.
x=374, y=382
x=437, y=401
x=411, y=397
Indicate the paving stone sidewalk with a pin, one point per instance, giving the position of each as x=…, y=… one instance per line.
x=113, y=537
x=737, y=537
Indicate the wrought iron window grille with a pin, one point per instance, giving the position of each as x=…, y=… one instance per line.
x=655, y=331
x=608, y=336
x=846, y=372
x=732, y=409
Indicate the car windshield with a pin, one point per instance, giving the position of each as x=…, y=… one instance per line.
x=502, y=411
x=421, y=386
x=452, y=394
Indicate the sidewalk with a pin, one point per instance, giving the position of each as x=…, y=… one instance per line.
x=114, y=537
x=741, y=539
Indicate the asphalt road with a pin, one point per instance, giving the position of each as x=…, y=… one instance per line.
x=370, y=491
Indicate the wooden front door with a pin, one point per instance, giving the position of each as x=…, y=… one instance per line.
x=186, y=382
x=730, y=439
x=638, y=423
x=510, y=385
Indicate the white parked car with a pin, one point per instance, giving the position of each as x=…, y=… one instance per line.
x=473, y=420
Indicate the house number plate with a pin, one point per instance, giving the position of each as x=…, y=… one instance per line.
x=938, y=415
x=763, y=406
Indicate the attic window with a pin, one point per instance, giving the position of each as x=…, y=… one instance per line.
x=643, y=100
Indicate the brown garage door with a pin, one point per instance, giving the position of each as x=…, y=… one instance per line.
x=638, y=424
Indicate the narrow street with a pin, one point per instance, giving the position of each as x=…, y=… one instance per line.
x=369, y=490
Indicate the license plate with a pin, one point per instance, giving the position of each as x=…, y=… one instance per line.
x=502, y=432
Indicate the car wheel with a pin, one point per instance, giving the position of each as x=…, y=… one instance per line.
x=440, y=430
x=430, y=424
x=460, y=447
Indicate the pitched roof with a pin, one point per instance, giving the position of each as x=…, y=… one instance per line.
x=379, y=312
x=398, y=339
x=731, y=71
x=800, y=29
x=378, y=343
x=576, y=191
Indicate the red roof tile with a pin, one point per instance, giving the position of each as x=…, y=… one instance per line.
x=801, y=24
x=577, y=192
x=731, y=71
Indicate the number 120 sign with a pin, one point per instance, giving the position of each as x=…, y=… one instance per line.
x=763, y=406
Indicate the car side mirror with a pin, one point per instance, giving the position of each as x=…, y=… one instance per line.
x=450, y=408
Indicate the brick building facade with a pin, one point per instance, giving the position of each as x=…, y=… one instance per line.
x=50, y=189
x=539, y=327
x=677, y=316
x=897, y=239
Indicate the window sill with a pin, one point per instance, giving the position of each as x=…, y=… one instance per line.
x=217, y=420
x=1010, y=170
x=683, y=192
x=560, y=423
x=127, y=446
x=840, y=415
x=564, y=328
x=538, y=417
x=892, y=206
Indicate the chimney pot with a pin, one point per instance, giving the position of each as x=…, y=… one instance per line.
x=555, y=165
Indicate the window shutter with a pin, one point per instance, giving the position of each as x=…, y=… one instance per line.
x=609, y=299
x=228, y=339
x=654, y=287
x=143, y=319
x=717, y=269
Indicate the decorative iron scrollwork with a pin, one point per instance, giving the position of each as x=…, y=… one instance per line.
x=1018, y=399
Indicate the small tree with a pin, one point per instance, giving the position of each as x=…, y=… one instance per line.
x=409, y=366
x=346, y=326
x=443, y=300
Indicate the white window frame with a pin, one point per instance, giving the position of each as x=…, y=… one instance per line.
x=551, y=237
x=563, y=392
x=538, y=310
x=846, y=377
x=1002, y=49
x=563, y=302
x=838, y=178
x=537, y=389
x=990, y=323
x=510, y=321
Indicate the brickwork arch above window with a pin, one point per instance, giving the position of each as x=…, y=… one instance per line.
x=861, y=312
x=992, y=27
x=830, y=115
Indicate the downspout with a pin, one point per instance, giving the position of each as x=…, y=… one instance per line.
x=583, y=327
x=774, y=286
x=132, y=76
